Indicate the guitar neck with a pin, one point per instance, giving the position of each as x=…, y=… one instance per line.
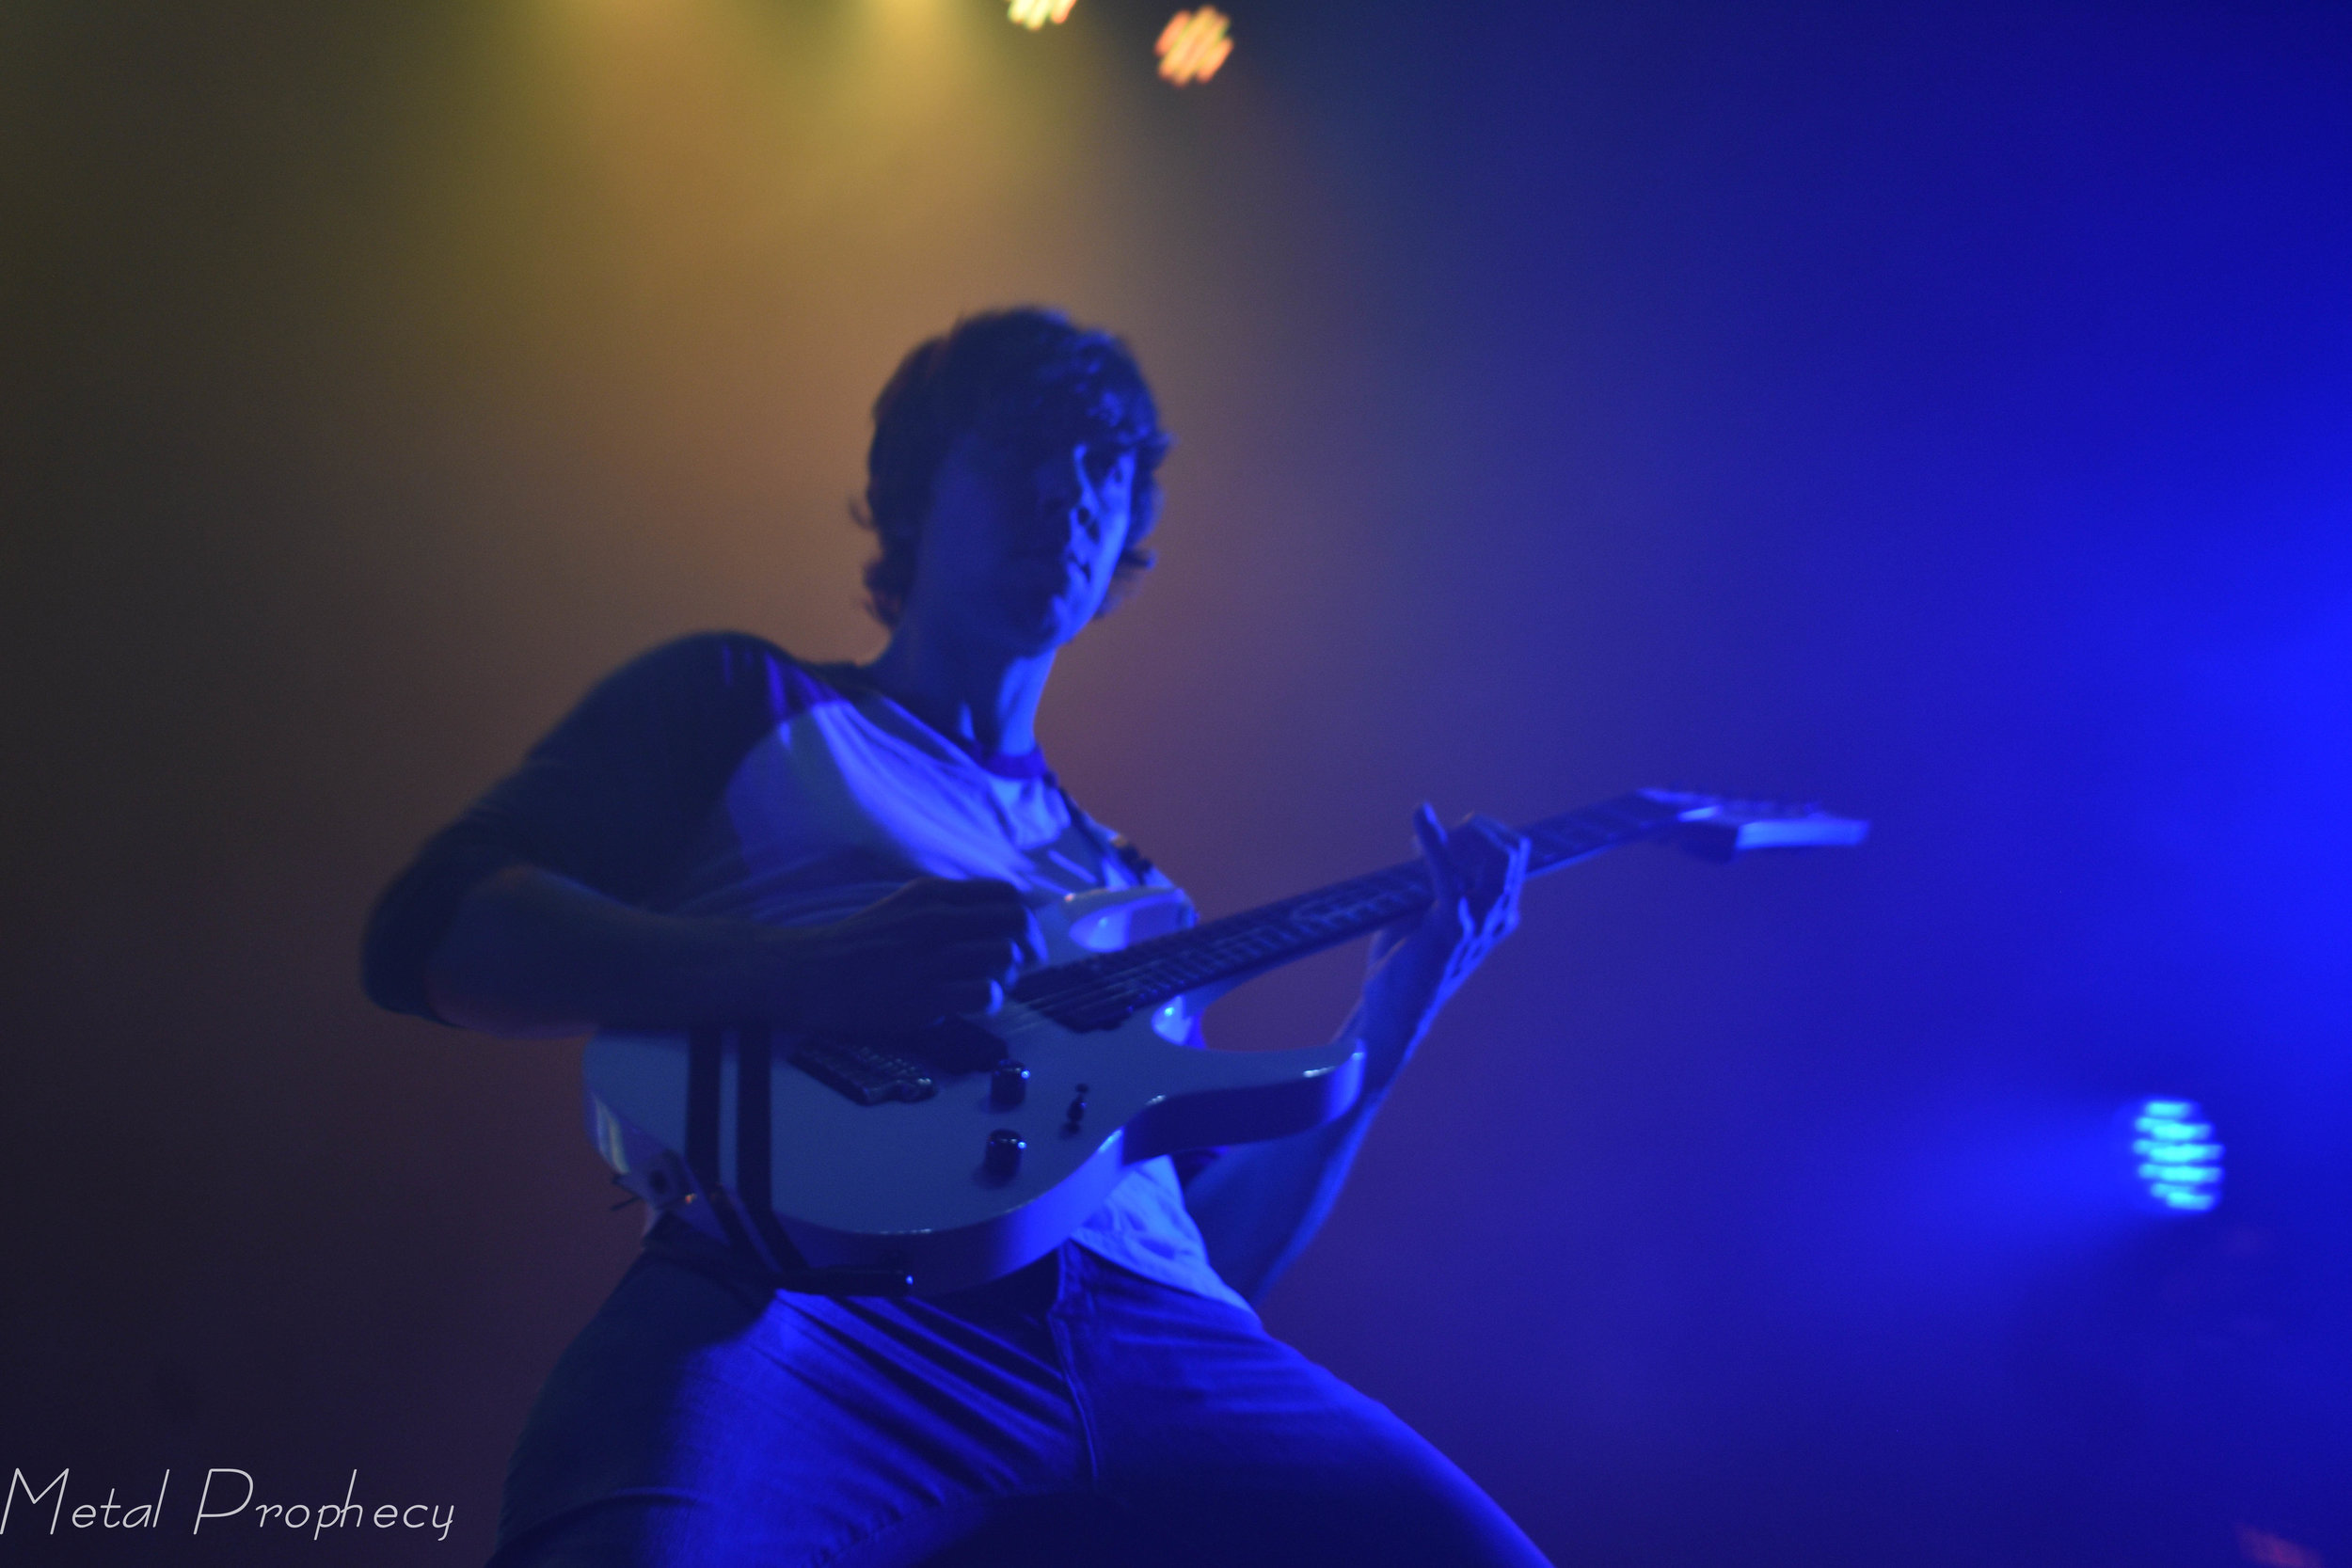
x=1099, y=992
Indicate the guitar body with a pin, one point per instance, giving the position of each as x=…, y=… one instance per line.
x=901, y=1192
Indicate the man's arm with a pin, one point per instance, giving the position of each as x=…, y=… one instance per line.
x=532, y=954
x=523, y=917
x=1258, y=1205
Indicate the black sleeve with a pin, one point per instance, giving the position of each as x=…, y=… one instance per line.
x=609, y=798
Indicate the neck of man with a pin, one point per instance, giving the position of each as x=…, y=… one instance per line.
x=985, y=698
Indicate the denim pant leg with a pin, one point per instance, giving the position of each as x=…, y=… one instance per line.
x=704, y=1420
x=1076, y=1414
x=1236, y=1449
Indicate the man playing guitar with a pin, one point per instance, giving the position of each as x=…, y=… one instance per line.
x=720, y=833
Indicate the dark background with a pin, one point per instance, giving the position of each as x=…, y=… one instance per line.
x=1938, y=410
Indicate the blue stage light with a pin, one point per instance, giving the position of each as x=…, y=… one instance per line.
x=2179, y=1162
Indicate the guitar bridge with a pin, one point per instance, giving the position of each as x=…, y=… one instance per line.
x=863, y=1073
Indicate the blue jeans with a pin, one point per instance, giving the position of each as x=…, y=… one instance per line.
x=1071, y=1412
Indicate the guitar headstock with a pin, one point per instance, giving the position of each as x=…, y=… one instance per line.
x=1717, y=828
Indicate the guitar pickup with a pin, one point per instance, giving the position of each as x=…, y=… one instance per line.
x=866, y=1073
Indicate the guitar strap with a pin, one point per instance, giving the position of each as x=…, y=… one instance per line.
x=706, y=1064
x=706, y=1060
x=743, y=1209
x=753, y=1109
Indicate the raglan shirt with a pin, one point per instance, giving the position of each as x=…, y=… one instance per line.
x=718, y=776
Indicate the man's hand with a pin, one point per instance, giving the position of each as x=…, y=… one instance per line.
x=1476, y=871
x=1258, y=1204
x=933, y=947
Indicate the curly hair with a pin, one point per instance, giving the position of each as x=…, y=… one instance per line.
x=1029, y=378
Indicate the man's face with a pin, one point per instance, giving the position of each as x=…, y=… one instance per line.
x=1019, y=547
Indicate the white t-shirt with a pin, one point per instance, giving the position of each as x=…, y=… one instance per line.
x=716, y=776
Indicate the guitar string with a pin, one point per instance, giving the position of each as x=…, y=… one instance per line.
x=1266, y=937
x=1327, y=916
x=1573, y=836
x=1271, y=934
x=1137, y=978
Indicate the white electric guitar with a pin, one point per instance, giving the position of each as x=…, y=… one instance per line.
x=933, y=1161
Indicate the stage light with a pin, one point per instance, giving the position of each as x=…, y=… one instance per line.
x=1034, y=14
x=1192, y=45
x=2179, y=1163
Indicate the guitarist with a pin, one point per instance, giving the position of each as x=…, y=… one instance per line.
x=720, y=833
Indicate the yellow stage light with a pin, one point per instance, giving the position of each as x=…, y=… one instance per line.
x=1034, y=14
x=1192, y=45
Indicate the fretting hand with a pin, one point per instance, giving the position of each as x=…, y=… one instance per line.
x=1476, y=871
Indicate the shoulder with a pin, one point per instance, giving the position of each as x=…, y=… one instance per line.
x=719, y=659
x=736, y=674
x=691, y=709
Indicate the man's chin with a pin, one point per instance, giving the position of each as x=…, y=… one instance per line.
x=1026, y=636
x=1047, y=623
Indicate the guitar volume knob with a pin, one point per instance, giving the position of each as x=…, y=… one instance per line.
x=1003, y=1160
x=1008, y=1085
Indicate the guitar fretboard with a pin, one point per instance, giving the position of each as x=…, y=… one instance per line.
x=1101, y=991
